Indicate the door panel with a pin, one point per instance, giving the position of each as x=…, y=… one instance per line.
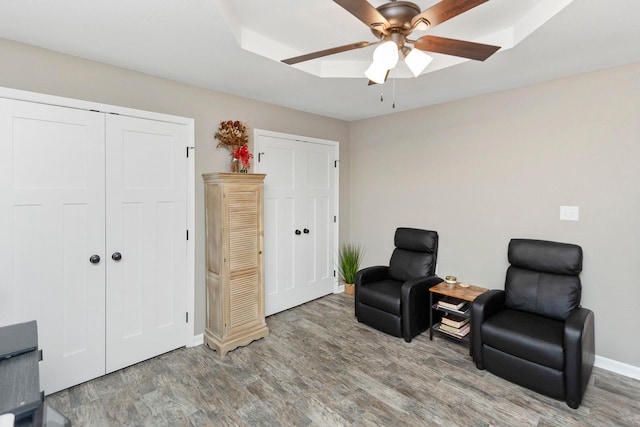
x=280, y=216
x=320, y=260
x=22, y=294
x=146, y=223
x=299, y=195
x=319, y=218
x=278, y=245
x=51, y=222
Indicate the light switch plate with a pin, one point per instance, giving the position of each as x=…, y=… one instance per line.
x=570, y=213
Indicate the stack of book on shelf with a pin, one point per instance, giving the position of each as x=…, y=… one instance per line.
x=453, y=304
x=457, y=326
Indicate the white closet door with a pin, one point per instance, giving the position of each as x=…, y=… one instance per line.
x=51, y=223
x=318, y=225
x=146, y=224
x=299, y=194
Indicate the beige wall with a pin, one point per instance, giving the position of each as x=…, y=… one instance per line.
x=33, y=69
x=504, y=161
x=486, y=169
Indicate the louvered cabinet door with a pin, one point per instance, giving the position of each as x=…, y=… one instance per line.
x=245, y=291
x=235, y=271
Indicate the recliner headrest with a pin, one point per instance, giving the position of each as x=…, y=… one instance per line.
x=545, y=256
x=413, y=239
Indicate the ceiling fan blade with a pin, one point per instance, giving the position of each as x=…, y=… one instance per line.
x=464, y=49
x=445, y=10
x=363, y=10
x=325, y=52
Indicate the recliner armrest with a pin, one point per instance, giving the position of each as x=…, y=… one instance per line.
x=483, y=307
x=414, y=292
x=410, y=287
x=579, y=344
x=487, y=304
x=371, y=274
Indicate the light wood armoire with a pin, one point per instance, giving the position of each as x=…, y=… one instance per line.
x=235, y=262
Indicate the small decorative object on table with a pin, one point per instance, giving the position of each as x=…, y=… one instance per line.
x=233, y=136
x=451, y=280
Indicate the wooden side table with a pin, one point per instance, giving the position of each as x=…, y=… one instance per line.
x=456, y=291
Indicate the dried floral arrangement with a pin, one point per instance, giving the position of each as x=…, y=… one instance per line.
x=233, y=136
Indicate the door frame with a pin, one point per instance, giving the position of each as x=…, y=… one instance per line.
x=257, y=133
x=190, y=338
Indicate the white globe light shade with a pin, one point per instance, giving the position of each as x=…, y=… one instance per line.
x=417, y=61
x=376, y=73
x=386, y=55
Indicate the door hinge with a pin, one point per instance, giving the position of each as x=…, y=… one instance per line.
x=187, y=152
x=335, y=163
x=334, y=273
x=187, y=317
x=260, y=157
x=187, y=234
x=335, y=219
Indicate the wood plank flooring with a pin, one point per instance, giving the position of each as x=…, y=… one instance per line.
x=320, y=367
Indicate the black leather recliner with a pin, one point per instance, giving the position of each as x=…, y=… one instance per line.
x=535, y=333
x=395, y=299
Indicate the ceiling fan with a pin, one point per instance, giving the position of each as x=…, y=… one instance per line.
x=392, y=23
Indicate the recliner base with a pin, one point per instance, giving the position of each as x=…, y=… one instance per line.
x=539, y=378
x=380, y=320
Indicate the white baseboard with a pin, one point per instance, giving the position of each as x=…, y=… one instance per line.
x=197, y=340
x=618, y=367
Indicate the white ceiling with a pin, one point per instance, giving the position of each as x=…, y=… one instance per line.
x=501, y=23
x=191, y=41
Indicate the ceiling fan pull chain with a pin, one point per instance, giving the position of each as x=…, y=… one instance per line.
x=394, y=94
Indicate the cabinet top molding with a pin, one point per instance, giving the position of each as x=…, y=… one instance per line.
x=232, y=177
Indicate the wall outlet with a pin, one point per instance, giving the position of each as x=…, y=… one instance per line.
x=570, y=213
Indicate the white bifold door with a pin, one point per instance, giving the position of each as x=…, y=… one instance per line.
x=300, y=204
x=92, y=236
x=146, y=228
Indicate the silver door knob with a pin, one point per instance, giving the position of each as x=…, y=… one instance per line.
x=94, y=259
x=116, y=256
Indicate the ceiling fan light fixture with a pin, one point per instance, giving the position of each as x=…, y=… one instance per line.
x=386, y=55
x=417, y=61
x=376, y=73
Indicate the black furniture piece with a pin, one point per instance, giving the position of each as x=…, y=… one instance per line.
x=20, y=392
x=395, y=299
x=535, y=333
